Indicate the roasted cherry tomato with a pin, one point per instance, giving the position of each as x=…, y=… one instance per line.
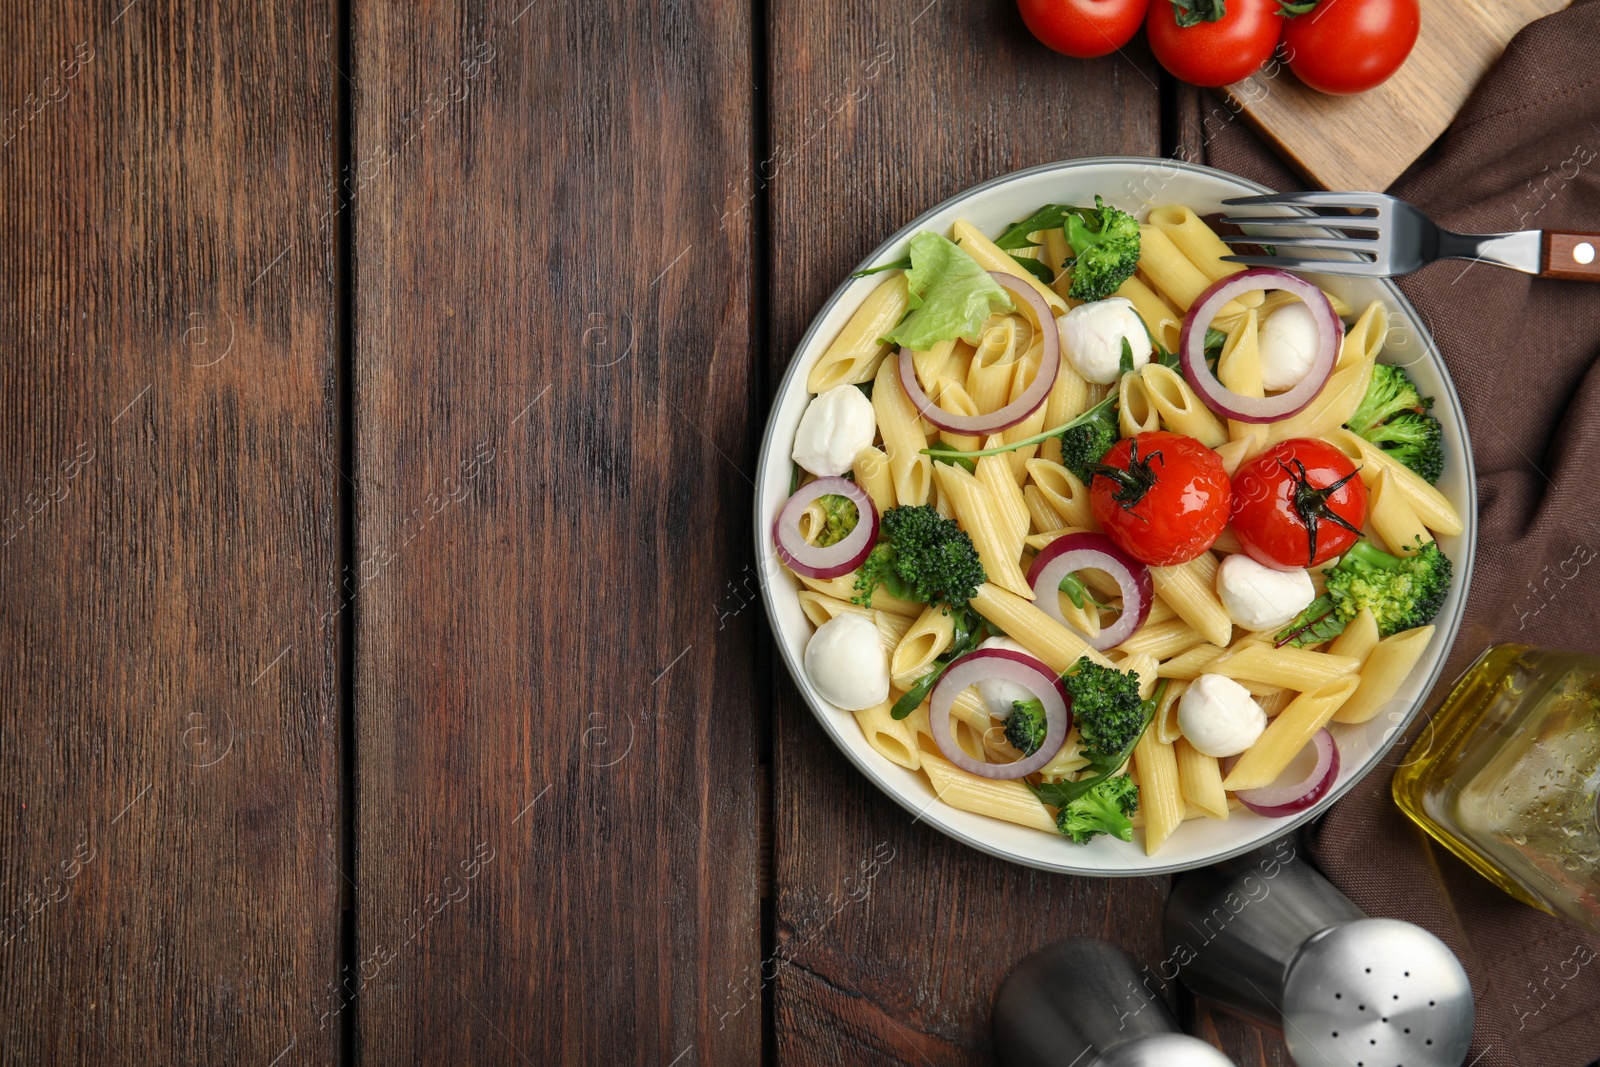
x=1298, y=504
x=1201, y=47
x=1083, y=28
x=1162, y=497
x=1348, y=46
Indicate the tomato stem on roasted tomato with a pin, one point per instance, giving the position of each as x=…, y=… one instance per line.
x=1311, y=504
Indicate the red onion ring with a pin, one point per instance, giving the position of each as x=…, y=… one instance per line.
x=1074, y=552
x=829, y=561
x=1257, y=409
x=1299, y=793
x=1004, y=664
x=1022, y=406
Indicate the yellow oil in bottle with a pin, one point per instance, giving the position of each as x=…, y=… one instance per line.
x=1507, y=776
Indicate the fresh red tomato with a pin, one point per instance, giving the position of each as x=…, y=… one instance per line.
x=1348, y=46
x=1207, y=49
x=1083, y=28
x=1162, y=497
x=1298, y=504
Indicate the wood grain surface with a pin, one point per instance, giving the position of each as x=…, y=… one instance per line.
x=457, y=345
x=168, y=756
x=555, y=687
x=892, y=939
x=1366, y=141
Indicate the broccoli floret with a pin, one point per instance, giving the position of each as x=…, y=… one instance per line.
x=1401, y=591
x=1394, y=416
x=1105, y=242
x=1105, y=707
x=1089, y=438
x=1025, y=726
x=1102, y=810
x=840, y=516
x=921, y=556
x=1415, y=439
x=1390, y=392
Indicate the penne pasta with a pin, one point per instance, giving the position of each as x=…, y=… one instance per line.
x=1358, y=638
x=991, y=256
x=1288, y=733
x=1239, y=368
x=1191, y=590
x=894, y=739
x=871, y=469
x=1054, y=645
x=1179, y=409
x=1430, y=505
x=1386, y=669
x=856, y=354
x=1160, y=797
x=1200, y=779
x=1392, y=517
x=1165, y=722
x=991, y=530
x=1136, y=412
x=1164, y=324
x=1161, y=640
x=903, y=439
x=1291, y=668
x=844, y=588
x=1200, y=245
x=924, y=639
x=1063, y=491
x=998, y=798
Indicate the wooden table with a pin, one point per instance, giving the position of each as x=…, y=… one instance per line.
x=385, y=678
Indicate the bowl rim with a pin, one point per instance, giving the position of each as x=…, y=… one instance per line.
x=1464, y=562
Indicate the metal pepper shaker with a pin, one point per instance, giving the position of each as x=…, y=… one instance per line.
x=1265, y=935
x=1079, y=1003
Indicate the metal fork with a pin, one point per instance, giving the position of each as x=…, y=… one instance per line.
x=1396, y=238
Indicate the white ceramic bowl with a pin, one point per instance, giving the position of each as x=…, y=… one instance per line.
x=1133, y=184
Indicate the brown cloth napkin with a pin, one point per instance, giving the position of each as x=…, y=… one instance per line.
x=1524, y=353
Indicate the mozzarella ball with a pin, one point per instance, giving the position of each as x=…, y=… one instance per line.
x=1092, y=336
x=847, y=662
x=1258, y=597
x=1219, y=716
x=1288, y=346
x=998, y=693
x=837, y=425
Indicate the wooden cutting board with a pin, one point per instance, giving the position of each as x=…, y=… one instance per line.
x=1364, y=142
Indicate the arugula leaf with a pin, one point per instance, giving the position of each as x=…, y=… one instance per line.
x=951, y=295
x=1049, y=217
x=1036, y=267
x=1060, y=794
x=970, y=631
x=794, y=479
x=899, y=264
x=1125, y=364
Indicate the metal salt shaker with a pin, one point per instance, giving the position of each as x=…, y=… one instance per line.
x=1265, y=935
x=1078, y=1003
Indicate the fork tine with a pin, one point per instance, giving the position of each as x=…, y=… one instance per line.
x=1314, y=266
x=1331, y=243
x=1347, y=222
x=1310, y=199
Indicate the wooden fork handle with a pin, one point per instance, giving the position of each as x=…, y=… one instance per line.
x=1571, y=256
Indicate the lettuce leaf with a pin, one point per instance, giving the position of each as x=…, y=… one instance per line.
x=951, y=295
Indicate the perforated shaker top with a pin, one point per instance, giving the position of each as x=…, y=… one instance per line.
x=1376, y=993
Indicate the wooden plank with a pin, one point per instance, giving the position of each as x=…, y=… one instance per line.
x=556, y=729
x=891, y=939
x=169, y=756
x=1366, y=141
x=877, y=116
